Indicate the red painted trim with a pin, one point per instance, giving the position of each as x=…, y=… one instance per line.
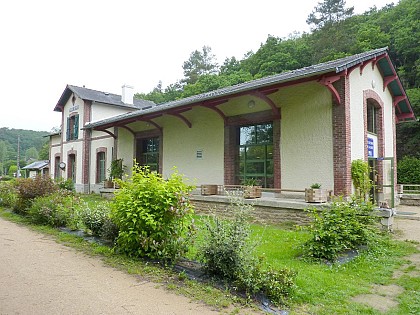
x=389, y=79
x=265, y=98
x=129, y=129
x=110, y=133
x=219, y=112
x=154, y=124
x=185, y=120
x=328, y=82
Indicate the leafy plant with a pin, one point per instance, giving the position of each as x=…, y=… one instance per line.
x=228, y=253
x=249, y=181
x=56, y=209
x=28, y=189
x=67, y=184
x=360, y=177
x=94, y=216
x=8, y=193
x=117, y=169
x=153, y=215
x=316, y=186
x=345, y=225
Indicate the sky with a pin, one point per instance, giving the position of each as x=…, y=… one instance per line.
x=103, y=44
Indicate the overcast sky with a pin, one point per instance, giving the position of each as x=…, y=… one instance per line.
x=102, y=44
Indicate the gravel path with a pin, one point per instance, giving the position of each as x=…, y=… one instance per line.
x=39, y=276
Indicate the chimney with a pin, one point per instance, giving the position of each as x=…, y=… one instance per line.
x=127, y=94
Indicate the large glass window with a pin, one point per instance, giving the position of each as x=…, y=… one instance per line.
x=150, y=153
x=100, y=168
x=255, y=154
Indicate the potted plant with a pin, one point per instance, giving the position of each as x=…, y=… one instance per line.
x=316, y=194
x=116, y=171
x=251, y=188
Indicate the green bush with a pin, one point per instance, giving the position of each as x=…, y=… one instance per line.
x=360, y=177
x=94, y=216
x=56, y=209
x=8, y=193
x=346, y=225
x=65, y=184
x=408, y=170
x=228, y=253
x=29, y=189
x=153, y=215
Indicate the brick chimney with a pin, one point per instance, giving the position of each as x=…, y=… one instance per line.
x=127, y=94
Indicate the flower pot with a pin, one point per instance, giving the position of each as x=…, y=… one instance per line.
x=316, y=195
x=251, y=192
x=108, y=184
x=208, y=190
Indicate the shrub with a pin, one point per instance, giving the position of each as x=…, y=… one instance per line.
x=360, y=178
x=65, y=184
x=56, y=209
x=408, y=170
x=228, y=253
x=346, y=225
x=94, y=216
x=29, y=188
x=8, y=193
x=153, y=215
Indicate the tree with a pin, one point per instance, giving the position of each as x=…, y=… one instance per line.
x=329, y=12
x=198, y=64
x=31, y=153
x=44, y=153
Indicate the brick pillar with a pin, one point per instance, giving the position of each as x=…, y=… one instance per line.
x=276, y=153
x=230, y=147
x=342, y=140
x=86, y=147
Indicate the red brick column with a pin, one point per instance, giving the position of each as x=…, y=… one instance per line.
x=87, y=113
x=342, y=140
x=230, y=148
x=276, y=153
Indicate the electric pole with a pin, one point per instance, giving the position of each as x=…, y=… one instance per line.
x=18, y=158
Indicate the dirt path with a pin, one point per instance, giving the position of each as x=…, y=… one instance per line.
x=39, y=276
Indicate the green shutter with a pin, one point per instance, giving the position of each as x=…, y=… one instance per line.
x=76, y=127
x=68, y=129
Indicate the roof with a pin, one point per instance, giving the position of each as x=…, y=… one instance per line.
x=98, y=96
x=37, y=165
x=335, y=66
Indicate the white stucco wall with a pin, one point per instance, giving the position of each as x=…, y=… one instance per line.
x=180, y=145
x=125, y=150
x=101, y=111
x=370, y=79
x=306, y=145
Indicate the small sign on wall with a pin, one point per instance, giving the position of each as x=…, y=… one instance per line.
x=371, y=147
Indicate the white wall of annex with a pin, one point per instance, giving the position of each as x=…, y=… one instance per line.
x=306, y=141
x=180, y=146
x=371, y=79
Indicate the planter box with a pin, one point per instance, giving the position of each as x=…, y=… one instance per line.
x=316, y=195
x=251, y=192
x=208, y=190
x=108, y=184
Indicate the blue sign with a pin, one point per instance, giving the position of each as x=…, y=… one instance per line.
x=371, y=147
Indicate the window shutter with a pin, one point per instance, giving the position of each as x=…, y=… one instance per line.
x=76, y=127
x=68, y=129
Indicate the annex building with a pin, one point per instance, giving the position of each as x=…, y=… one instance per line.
x=286, y=131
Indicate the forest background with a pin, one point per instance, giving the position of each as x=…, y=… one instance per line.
x=335, y=32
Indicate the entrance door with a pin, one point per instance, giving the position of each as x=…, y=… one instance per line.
x=382, y=176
